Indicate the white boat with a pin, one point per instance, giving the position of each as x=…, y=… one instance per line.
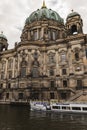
x=69, y=107
x=39, y=106
x=59, y=107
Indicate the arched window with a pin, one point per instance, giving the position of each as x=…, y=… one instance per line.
x=52, y=84
x=35, y=55
x=10, y=74
x=3, y=65
x=20, y=96
x=35, y=72
x=54, y=35
x=2, y=75
x=23, y=68
x=35, y=69
x=63, y=57
x=49, y=34
x=51, y=58
x=74, y=29
x=52, y=96
x=64, y=83
x=23, y=72
x=35, y=35
x=79, y=84
x=64, y=72
x=51, y=72
x=77, y=56
x=10, y=64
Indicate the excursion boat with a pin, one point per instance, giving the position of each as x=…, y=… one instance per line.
x=39, y=106
x=69, y=107
x=58, y=107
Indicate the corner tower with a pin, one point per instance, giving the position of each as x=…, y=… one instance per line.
x=74, y=23
x=3, y=42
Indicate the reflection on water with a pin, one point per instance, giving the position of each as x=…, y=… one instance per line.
x=20, y=118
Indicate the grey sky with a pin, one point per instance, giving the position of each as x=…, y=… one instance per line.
x=13, y=14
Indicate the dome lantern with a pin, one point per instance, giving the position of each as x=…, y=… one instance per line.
x=44, y=5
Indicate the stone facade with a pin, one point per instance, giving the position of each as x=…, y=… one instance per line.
x=50, y=61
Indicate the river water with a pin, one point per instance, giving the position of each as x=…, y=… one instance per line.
x=20, y=118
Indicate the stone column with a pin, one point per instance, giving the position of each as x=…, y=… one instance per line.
x=70, y=56
x=42, y=32
x=57, y=66
x=18, y=64
x=43, y=61
x=6, y=69
x=29, y=37
x=38, y=33
x=13, y=69
x=29, y=62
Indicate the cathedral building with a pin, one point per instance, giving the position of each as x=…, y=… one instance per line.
x=49, y=62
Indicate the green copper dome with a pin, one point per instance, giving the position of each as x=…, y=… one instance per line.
x=42, y=13
x=73, y=14
x=3, y=36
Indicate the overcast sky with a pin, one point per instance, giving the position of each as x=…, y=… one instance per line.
x=13, y=14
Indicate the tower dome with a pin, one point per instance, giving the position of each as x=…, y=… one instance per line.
x=3, y=36
x=73, y=14
x=3, y=42
x=42, y=13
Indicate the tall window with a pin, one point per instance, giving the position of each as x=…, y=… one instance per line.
x=54, y=35
x=64, y=83
x=35, y=72
x=3, y=65
x=7, y=95
x=35, y=56
x=52, y=84
x=20, y=95
x=51, y=58
x=23, y=72
x=63, y=57
x=23, y=68
x=35, y=68
x=35, y=35
x=64, y=72
x=74, y=29
x=79, y=84
x=77, y=56
x=49, y=34
x=2, y=75
x=52, y=96
x=10, y=74
x=10, y=64
x=51, y=72
x=63, y=96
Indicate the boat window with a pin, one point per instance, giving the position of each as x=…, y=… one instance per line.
x=76, y=108
x=56, y=107
x=65, y=108
x=84, y=108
